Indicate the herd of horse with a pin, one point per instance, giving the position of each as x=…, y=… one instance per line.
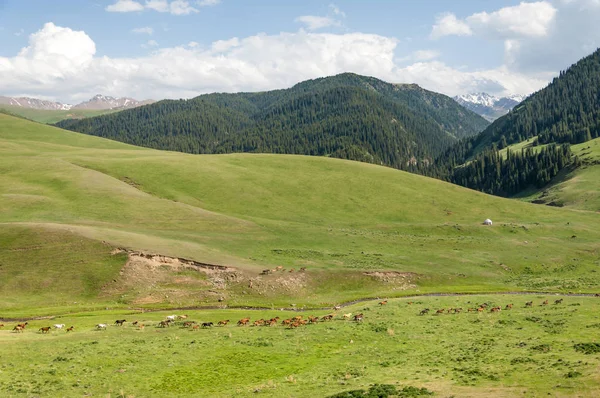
x=290, y=323
x=482, y=308
x=20, y=328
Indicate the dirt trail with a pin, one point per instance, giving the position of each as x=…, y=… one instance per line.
x=342, y=305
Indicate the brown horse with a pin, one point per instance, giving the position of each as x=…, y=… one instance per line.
x=45, y=329
x=224, y=323
x=70, y=329
x=382, y=303
x=508, y=306
x=243, y=322
x=545, y=302
x=18, y=329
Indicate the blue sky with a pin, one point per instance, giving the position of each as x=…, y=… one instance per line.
x=69, y=50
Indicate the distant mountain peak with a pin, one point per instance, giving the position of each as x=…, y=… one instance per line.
x=489, y=106
x=97, y=102
x=100, y=102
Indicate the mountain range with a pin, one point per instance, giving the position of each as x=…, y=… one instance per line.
x=98, y=102
x=489, y=106
x=345, y=116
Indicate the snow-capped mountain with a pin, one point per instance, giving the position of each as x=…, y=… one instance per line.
x=34, y=103
x=105, y=102
x=489, y=106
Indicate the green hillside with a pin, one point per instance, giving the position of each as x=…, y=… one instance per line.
x=345, y=116
x=52, y=116
x=565, y=112
x=339, y=219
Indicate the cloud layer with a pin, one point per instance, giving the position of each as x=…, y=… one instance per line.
x=60, y=63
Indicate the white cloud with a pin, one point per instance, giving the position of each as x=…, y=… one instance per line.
x=425, y=55
x=145, y=30
x=20, y=32
x=181, y=7
x=60, y=63
x=447, y=24
x=150, y=44
x=206, y=3
x=313, y=22
x=523, y=20
x=125, y=6
x=336, y=10
x=175, y=7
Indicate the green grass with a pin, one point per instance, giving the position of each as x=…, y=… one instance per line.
x=539, y=351
x=53, y=116
x=337, y=218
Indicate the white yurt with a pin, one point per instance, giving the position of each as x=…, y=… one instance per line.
x=487, y=222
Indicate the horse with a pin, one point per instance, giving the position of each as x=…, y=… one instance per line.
x=224, y=323
x=171, y=317
x=545, y=302
x=207, y=324
x=70, y=329
x=182, y=316
x=163, y=324
x=18, y=329
x=424, y=311
x=101, y=326
x=59, y=326
x=140, y=326
x=327, y=317
x=23, y=325
x=120, y=322
x=382, y=303
x=243, y=321
x=45, y=329
x=347, y=316
x=337, y=308
x=558, y=301
x=358, y=317
x=529, y=304
x=508, y=306
x=440, y=311
x=1, y=325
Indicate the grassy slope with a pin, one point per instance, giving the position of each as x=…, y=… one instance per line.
x=338, y=218
x=52, y=116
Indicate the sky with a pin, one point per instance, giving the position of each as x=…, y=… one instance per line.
x=71, y=50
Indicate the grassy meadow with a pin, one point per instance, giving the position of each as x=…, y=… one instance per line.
x=545, y=350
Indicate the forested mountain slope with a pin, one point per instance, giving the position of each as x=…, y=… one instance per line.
x=346, y=116
x=566, y=112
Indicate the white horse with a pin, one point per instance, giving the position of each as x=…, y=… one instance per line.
x=59, y=326
x=101, y=326
x=171, y=317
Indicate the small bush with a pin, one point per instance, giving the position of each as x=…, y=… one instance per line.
x=572, y=374
x=385, y=391
x=587, y=348
x=541, y=348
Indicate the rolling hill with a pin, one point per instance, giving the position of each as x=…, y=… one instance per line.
x=67, y=200
x=345, y=116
